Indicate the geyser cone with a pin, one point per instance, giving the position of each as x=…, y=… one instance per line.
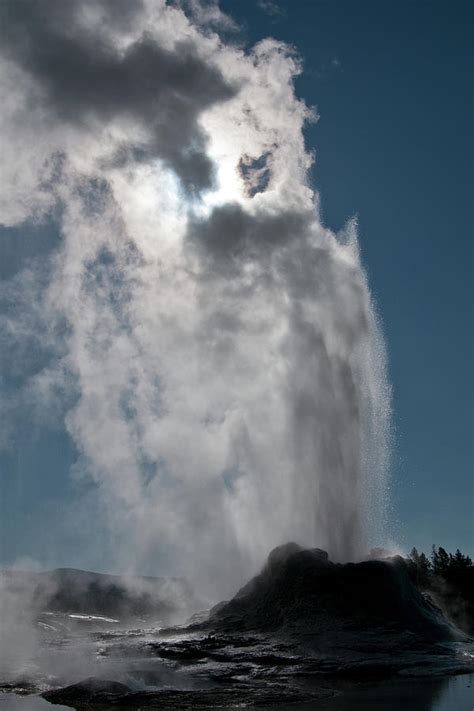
x=326, y=604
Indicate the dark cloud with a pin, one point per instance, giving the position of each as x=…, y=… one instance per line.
x=255, y=173
x=230, y=235
x=83, y=77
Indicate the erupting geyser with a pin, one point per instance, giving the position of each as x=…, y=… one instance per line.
x=214, y=348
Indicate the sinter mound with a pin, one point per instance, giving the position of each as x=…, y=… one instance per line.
x=302, y=588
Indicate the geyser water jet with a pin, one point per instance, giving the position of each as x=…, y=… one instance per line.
x=213, y=347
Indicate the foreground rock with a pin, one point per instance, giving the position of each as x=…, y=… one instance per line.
x=294, y=633
x=90, y=690
x=106, y=694
x=301, y=591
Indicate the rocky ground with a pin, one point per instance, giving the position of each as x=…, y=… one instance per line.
x=300, y=631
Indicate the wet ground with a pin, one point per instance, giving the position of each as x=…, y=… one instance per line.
x=448, y=694
x=178, y=668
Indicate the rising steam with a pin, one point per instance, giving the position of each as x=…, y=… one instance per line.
x=213, y=348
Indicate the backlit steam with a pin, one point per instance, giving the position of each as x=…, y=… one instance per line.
x=214, y=346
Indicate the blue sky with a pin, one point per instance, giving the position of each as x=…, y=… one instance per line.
x=392, y=83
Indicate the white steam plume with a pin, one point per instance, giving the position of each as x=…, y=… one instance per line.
x=224, y=369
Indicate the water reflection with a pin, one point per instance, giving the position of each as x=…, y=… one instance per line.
x=448, y=694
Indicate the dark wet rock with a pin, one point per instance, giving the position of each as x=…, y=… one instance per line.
x=302, y=591
x=93, y=692
x=455, y=595
x=302, y=624
x=90, y=690
x=306, y=617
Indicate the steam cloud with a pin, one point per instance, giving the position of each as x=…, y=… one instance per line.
x=213, y=347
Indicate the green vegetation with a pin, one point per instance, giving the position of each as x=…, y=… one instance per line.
x=449, y=580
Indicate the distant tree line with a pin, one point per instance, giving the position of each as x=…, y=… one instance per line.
x=449, y=579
